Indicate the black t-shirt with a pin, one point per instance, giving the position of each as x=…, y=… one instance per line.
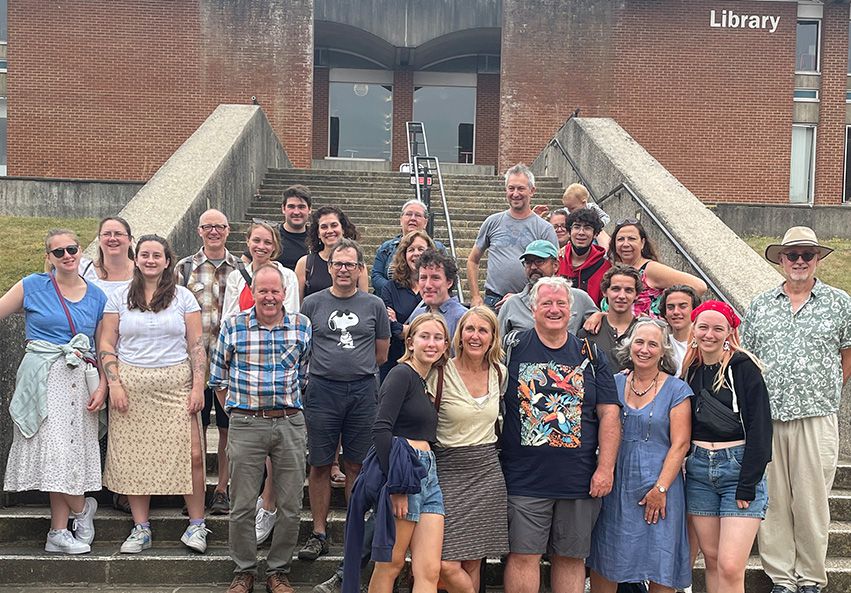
x=293, y=247
x=404, y=410
x=549, y=438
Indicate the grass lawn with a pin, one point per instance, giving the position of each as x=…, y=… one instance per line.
x=834, y=270
x=22, y=243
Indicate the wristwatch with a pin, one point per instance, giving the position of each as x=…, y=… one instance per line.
x=661, y=488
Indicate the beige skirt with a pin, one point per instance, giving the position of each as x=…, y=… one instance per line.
x=149, y=448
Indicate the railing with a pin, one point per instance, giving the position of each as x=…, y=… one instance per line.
x=421, y=167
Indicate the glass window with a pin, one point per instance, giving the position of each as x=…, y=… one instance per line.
x=803, y=164
x=806, y=94
x=360, y=120
x=846, y=193
x=4, y=21
x=806, y=47
x=448, y=114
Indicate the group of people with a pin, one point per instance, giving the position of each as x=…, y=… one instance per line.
x=588, y=406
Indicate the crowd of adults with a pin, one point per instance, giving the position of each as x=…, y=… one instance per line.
x=588, y=406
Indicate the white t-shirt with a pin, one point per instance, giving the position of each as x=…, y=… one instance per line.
x=152, y=340
x=680, y=349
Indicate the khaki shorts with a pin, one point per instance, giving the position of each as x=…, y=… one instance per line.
x=560, y=527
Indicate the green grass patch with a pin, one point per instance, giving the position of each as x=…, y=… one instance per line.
x=834, y=270
x=22, y=243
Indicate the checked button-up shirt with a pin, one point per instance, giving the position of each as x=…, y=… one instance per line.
x=261, y=368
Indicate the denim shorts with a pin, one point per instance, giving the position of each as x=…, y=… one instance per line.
x=711, y=481
x=430, y=497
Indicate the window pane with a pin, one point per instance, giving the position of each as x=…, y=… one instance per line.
x=448, y=114
x=800, y=179
x=361, y=116
x=806, y=47
x=4, y=21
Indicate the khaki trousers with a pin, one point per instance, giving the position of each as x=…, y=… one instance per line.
x=793, y=537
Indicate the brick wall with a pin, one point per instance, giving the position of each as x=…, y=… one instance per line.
x=830, y=137
x=111, y=94
x=487, y=119
x=403, y=111
x=321, y=87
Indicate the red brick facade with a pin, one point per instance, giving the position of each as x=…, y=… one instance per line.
x=321, y=87
x=487, y=119
x=403, y=111
x=110, y=94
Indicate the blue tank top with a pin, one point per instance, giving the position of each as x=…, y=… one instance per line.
x=45, y=317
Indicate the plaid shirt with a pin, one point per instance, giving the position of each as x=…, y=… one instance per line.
x=262, y=369
x=207, y=284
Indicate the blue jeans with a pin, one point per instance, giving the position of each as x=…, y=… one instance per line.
x=711, y=481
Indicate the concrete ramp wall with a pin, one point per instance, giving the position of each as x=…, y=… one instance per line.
x=606, y=157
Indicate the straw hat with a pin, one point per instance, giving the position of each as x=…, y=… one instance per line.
x=797, y=236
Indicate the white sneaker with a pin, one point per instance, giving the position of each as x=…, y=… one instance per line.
x=84, y=523
x=195, y=537
x=61, y=540
x=138, y=540
x=264, y=522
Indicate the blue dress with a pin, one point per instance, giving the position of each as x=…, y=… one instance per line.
x=624, y=548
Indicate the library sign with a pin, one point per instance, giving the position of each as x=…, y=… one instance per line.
x=730, y=19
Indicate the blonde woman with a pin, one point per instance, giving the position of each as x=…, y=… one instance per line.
x=467, y=394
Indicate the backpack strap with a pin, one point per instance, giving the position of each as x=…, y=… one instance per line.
x=589, y=350
x=186, y=271
x=245, y=275
x=508, y=343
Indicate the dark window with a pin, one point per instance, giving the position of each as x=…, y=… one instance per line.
x=806, y=46
x=846, y=194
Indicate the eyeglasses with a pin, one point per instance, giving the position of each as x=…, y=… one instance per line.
x=347, y=265
x=582, y=227
x=793, y=256
x=111, y=234
x=210, y=227
x=60, y=251
x=413, y=215
x=560, y=227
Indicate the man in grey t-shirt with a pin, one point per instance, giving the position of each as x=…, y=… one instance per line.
x=504, y=236
x=351, y=336
x=540, y=259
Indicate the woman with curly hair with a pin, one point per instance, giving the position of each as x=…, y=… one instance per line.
x=328, y=225
x=402, y=294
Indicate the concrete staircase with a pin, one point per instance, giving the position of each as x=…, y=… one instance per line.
x=373, y=201
x=23, y=562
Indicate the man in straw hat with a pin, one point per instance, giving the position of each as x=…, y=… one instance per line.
x=801, y=331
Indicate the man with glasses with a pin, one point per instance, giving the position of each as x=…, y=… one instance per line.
x=414, y=218
x=351, y=337
x=801, y=331
x=205, y=274
x=540, y=260
x=584, y=261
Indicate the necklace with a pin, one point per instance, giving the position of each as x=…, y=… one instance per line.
x=646, y=391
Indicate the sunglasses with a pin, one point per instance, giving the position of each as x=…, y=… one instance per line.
x=793, y=256
x=60, y=251
x=625, y=221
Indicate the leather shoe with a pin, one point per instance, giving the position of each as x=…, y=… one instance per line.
x=278, y=583
x=243, y=582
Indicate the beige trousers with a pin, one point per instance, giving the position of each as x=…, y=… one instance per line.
x=793, y=537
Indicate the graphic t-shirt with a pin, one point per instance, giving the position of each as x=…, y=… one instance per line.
x=344, y=334
x=549, y=438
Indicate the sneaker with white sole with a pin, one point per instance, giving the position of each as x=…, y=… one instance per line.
x=61, y=541
x=264, y=522
x=84, y=522
x=195, y=537
x=138, y=540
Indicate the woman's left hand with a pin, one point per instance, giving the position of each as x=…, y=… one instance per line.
x=654, y=503
x=743, y=504
x=400, y=505
x=195, y=403
x=97, y=398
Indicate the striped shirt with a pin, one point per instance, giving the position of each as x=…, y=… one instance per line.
x=261, y=368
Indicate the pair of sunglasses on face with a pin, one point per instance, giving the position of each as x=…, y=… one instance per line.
x=793, y=256
x=60, y=251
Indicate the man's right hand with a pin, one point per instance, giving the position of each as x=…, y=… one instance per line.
x=477, y=301
x=541, y=210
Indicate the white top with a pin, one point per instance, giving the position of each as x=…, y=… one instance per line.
x=680, y=349
x=148, y=339
x=464, y=419
x=236, y=282
x=88, y=271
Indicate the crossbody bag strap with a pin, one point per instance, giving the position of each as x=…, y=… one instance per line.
x=64, y=306
x=438, y=395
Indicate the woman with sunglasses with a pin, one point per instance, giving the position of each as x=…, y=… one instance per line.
x=55, y=441
x=725, y=471
x=640, y=534
x=113, y=268
x=152, y=352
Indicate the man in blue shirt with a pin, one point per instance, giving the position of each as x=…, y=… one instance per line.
x=258, y=370
x=437, y=273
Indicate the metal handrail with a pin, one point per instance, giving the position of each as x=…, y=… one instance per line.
x=623, y=186
x=414, y=161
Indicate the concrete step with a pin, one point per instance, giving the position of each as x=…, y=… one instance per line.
x=331, y=173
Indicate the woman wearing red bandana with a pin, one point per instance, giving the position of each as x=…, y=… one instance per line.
x=731, y=445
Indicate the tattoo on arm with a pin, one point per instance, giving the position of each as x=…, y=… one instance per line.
x=111, y=370
x=199, y=360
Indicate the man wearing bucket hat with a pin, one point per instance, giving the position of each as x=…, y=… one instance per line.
x=801, y=331
x=540, y=259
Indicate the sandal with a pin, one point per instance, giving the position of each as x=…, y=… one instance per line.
x=338, y=478
x=120, y=502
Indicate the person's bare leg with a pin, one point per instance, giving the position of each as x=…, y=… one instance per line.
x=140, y=507
x=195, y=501
x=708, y=530
x=385, y=573
x=567, y=575
x=738, y=534
x=474, y=569
x=522, y=573
x=223, y=469
x=426, y=545
x=61, y=507
x=456, y=578
x=319, y=491
x=600, y=584
x=352, y=470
